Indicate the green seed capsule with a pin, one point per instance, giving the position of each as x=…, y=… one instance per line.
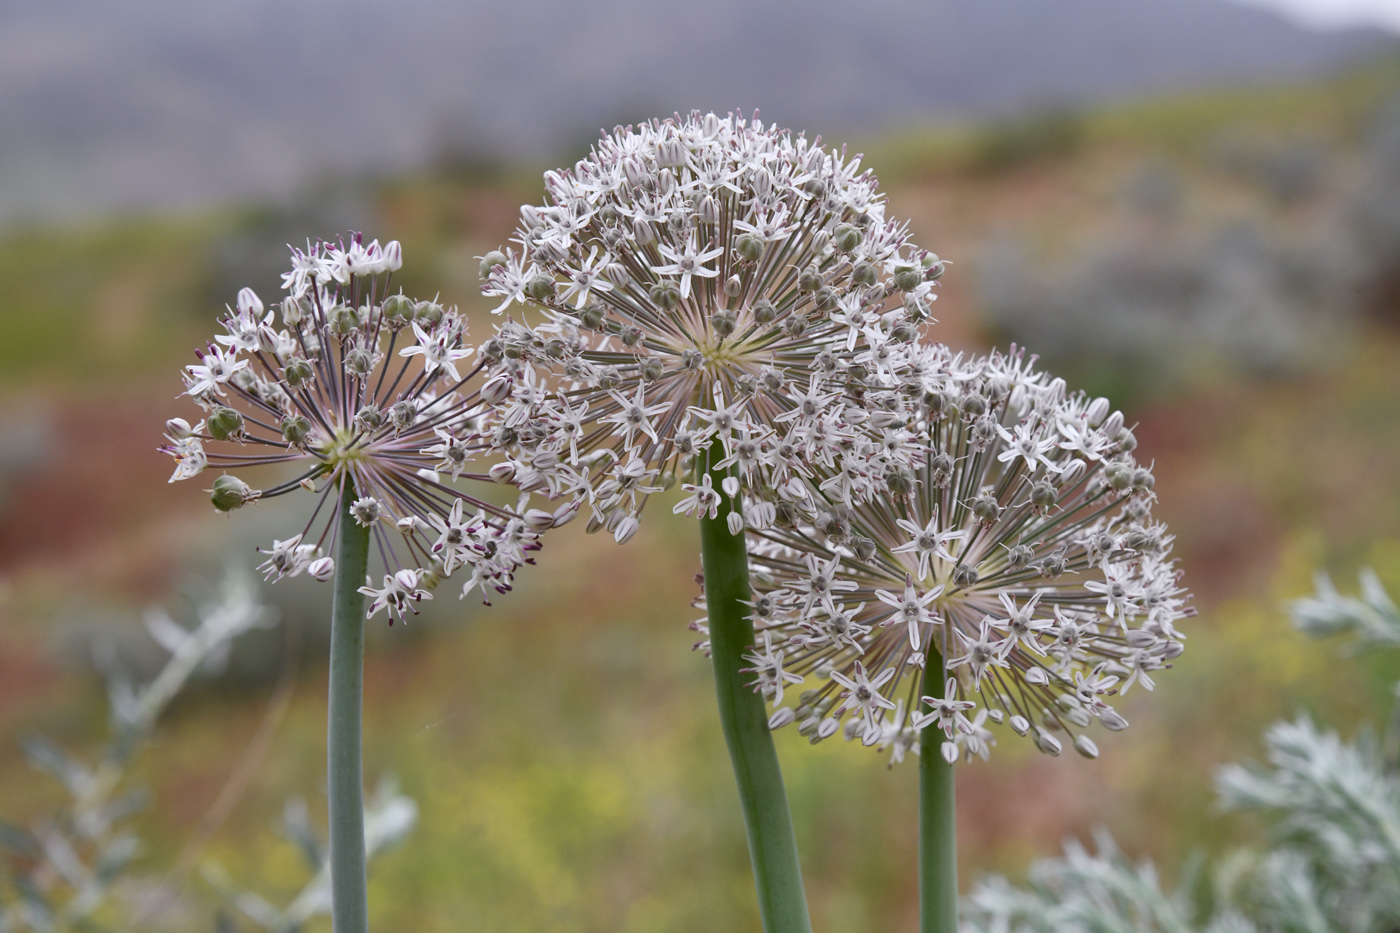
x=748, y=247
x=398, y=310
x=224, y=423
x=490, y=261
x=230, y=493
x=907, y=278
x=429, y=312
x=295, y=430
x=540, y=288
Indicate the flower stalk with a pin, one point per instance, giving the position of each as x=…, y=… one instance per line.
x=346, y=787
x=938, y=840
x=782, y=903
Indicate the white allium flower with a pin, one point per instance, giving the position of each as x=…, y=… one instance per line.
x=1040, y=577
x=714, y=288
x=328, y=392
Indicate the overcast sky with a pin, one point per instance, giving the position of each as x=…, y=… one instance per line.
x=1384, y=13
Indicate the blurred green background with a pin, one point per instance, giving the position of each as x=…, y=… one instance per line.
x=1224, y=264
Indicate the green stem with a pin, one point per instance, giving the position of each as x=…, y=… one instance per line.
x=782, y=904
x=938, y=838
x=349, y=901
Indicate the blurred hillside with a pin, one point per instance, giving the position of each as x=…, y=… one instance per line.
x=157, y=103
x=1225, y=263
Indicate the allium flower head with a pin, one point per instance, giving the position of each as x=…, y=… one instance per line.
x=364, y=387
x=707, y=285
x=1018, y=544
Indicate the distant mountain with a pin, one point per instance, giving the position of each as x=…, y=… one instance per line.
x=155, y=103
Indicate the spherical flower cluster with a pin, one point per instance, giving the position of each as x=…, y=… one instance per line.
x=704, y=279
x=327, y=392
x=1019, y=546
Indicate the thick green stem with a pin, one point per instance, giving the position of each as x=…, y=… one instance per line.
x=782, y=904
x=350, y=909
x=938, y=839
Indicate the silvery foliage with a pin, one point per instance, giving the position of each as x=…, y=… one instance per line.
x=389, y=816
x=1334, y=813
x=65, y=871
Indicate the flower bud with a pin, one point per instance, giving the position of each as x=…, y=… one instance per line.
x=497, y=388
x=321, y=569
x=393, y=256
x=782, y=716
x=292, y=311
x=733, y=286
x=1085, y=746
x=502, y=472
x=178, y=428
x=1047, y=743
x=231, y=493
x=1112, y=720
x=539, y=520
x=625, y=529
x=708, y=210
x=1019, y=724
x=248, y=303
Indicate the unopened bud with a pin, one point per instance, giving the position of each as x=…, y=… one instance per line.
x=393, y=256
